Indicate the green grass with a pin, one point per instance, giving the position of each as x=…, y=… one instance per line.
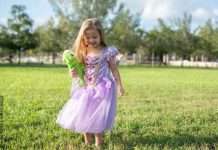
x=164, y=108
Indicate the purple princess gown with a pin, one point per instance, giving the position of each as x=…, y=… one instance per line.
x=92, y=108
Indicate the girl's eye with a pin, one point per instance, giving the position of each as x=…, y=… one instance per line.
x=93, y=37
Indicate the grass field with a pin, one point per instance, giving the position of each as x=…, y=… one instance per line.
x=164, y=108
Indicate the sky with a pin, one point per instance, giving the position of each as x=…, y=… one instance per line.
x=201, y=10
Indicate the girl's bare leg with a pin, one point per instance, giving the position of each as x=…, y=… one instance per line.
x=99, y=139
x=88, y=138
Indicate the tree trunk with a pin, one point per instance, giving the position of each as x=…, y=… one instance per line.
x=152, y=59
x=53, y=57
x=19, y=56
x=161, y=59
x=183, y=58
x=10, y=57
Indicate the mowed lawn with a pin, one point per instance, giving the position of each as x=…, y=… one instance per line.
x=163, y=108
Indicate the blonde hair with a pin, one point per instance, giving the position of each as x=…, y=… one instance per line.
x=79, y=46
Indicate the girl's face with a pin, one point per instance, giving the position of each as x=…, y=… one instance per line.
x=92, y=38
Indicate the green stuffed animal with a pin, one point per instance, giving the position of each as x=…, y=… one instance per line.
x=72, y=63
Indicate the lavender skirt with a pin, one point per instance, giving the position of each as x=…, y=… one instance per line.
x=90, y=109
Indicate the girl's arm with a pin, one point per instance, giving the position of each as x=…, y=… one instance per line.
x=116, y=74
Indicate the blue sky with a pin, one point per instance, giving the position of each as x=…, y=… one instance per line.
x=40, y=10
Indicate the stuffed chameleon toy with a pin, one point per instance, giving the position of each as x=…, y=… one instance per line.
x=72, y=63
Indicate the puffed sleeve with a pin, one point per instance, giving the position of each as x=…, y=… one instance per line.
x=112, y=52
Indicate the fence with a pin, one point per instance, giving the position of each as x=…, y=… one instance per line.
x=122, y=59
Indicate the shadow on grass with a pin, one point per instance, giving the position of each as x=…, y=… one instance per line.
x=173, y=142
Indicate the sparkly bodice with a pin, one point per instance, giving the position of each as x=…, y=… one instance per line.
x=97, y=67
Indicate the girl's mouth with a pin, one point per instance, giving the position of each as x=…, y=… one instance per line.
x=92, y=44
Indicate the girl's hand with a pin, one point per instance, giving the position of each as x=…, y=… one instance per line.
x=73, y=73
x=121, y=90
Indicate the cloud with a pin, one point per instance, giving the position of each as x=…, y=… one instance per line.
x=173, y=8
x=154, y=9
x=164, y=8
x=168, y=10
x=135, y=6
x=215, y=12
x=3, y=21
x=202, y=13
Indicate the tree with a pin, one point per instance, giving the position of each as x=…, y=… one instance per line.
x=207, y=44
x=6, y=44
x=215, y=43
x=20, y=30
x=50, y=39
x=124, y=31
x=121, y=28
x=184, y=38
x=78, y=10
x=68, y=31
x=160, y=40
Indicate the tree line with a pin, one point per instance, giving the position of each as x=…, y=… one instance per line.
x=121, y=29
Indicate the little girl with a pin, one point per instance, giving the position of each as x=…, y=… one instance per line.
x=91, y=108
